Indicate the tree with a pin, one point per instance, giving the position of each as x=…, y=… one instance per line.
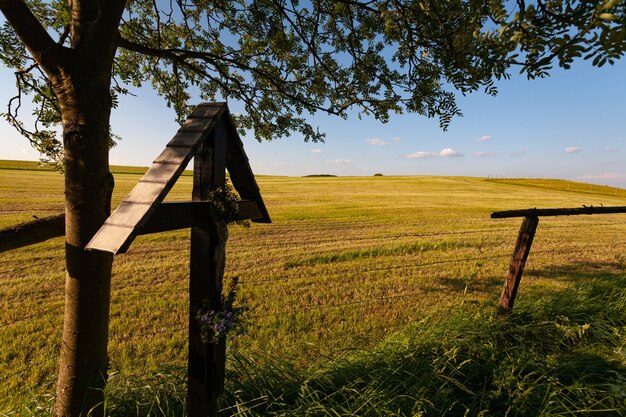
x=283, y=59
x=556, y=31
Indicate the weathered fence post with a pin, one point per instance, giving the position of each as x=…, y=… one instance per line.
x=208, y=252
x=518, y=260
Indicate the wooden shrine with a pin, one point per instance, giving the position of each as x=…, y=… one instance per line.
x=210, y=137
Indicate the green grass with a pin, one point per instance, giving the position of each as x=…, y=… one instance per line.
x=403, y=249
x=346, y=263
x=561, y=354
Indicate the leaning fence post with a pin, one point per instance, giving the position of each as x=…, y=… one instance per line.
x=518, y=260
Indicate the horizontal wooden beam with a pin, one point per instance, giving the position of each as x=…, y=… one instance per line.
x=168, y=216
x=184, y=214
x=535, y=212
x=32, y=232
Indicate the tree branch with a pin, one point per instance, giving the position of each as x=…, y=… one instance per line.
x=110, y=15
x=182, y=55
x=39, y=43
x=364, y=6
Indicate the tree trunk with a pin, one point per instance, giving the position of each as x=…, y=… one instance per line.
x=85, y=102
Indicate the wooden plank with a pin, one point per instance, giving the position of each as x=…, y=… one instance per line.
x=219, y=139
x=174, y=155
x=163, y=173
x=558, y=212
x=175, y=215
x=248, y=209
x=188, y=139
x=128, y=214
x=212, y=110
x=197, y=125
x=29, y=233
x=241, y=174
x=146, y=192
x=518, y=261
x=111, y=238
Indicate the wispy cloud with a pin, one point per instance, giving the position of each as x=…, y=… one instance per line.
x=421, y=155
x=396, y=140
x=376, y=142
x=605, y=176
x=484, y=138
x=611, y=149
x=572, y=149
x=449, y=153
x=484, y=154
x=317, y=150
x=342, y=161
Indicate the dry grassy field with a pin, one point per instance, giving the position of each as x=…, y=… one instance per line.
x=346, y=262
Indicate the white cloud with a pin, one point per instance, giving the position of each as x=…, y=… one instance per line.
x=484, y=138
x=572, y=149
x=484, y=154
x=342, y=161
x=376, y=142
x=317, y=150
x=420, y=155
x=449, y=153
x=606, y=176
x=396, y=140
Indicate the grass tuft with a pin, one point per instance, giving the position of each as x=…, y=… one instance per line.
x=560, y=355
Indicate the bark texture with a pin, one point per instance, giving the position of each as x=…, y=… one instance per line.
x=85, y=103
x=80, y=74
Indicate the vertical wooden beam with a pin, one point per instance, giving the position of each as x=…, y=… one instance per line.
x=208, y=252
x=518, y=260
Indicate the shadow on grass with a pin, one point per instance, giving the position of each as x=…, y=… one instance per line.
x=558, y=354
x=576, y=270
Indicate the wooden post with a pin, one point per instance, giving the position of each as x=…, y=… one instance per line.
x=208, y=252
x=518, y=260
x=208, y=136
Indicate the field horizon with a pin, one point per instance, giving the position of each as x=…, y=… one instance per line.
x=28, y=165
x=347, y=263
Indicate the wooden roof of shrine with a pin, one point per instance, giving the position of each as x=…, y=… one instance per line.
x=133, y=216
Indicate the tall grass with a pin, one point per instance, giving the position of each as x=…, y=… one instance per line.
x=559, y=355
x=562, y=354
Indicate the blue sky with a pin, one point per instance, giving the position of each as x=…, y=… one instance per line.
x=571, y=125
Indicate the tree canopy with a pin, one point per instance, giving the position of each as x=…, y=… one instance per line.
x=285, y=59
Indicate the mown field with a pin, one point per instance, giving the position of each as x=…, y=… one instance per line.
x=346, y=262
